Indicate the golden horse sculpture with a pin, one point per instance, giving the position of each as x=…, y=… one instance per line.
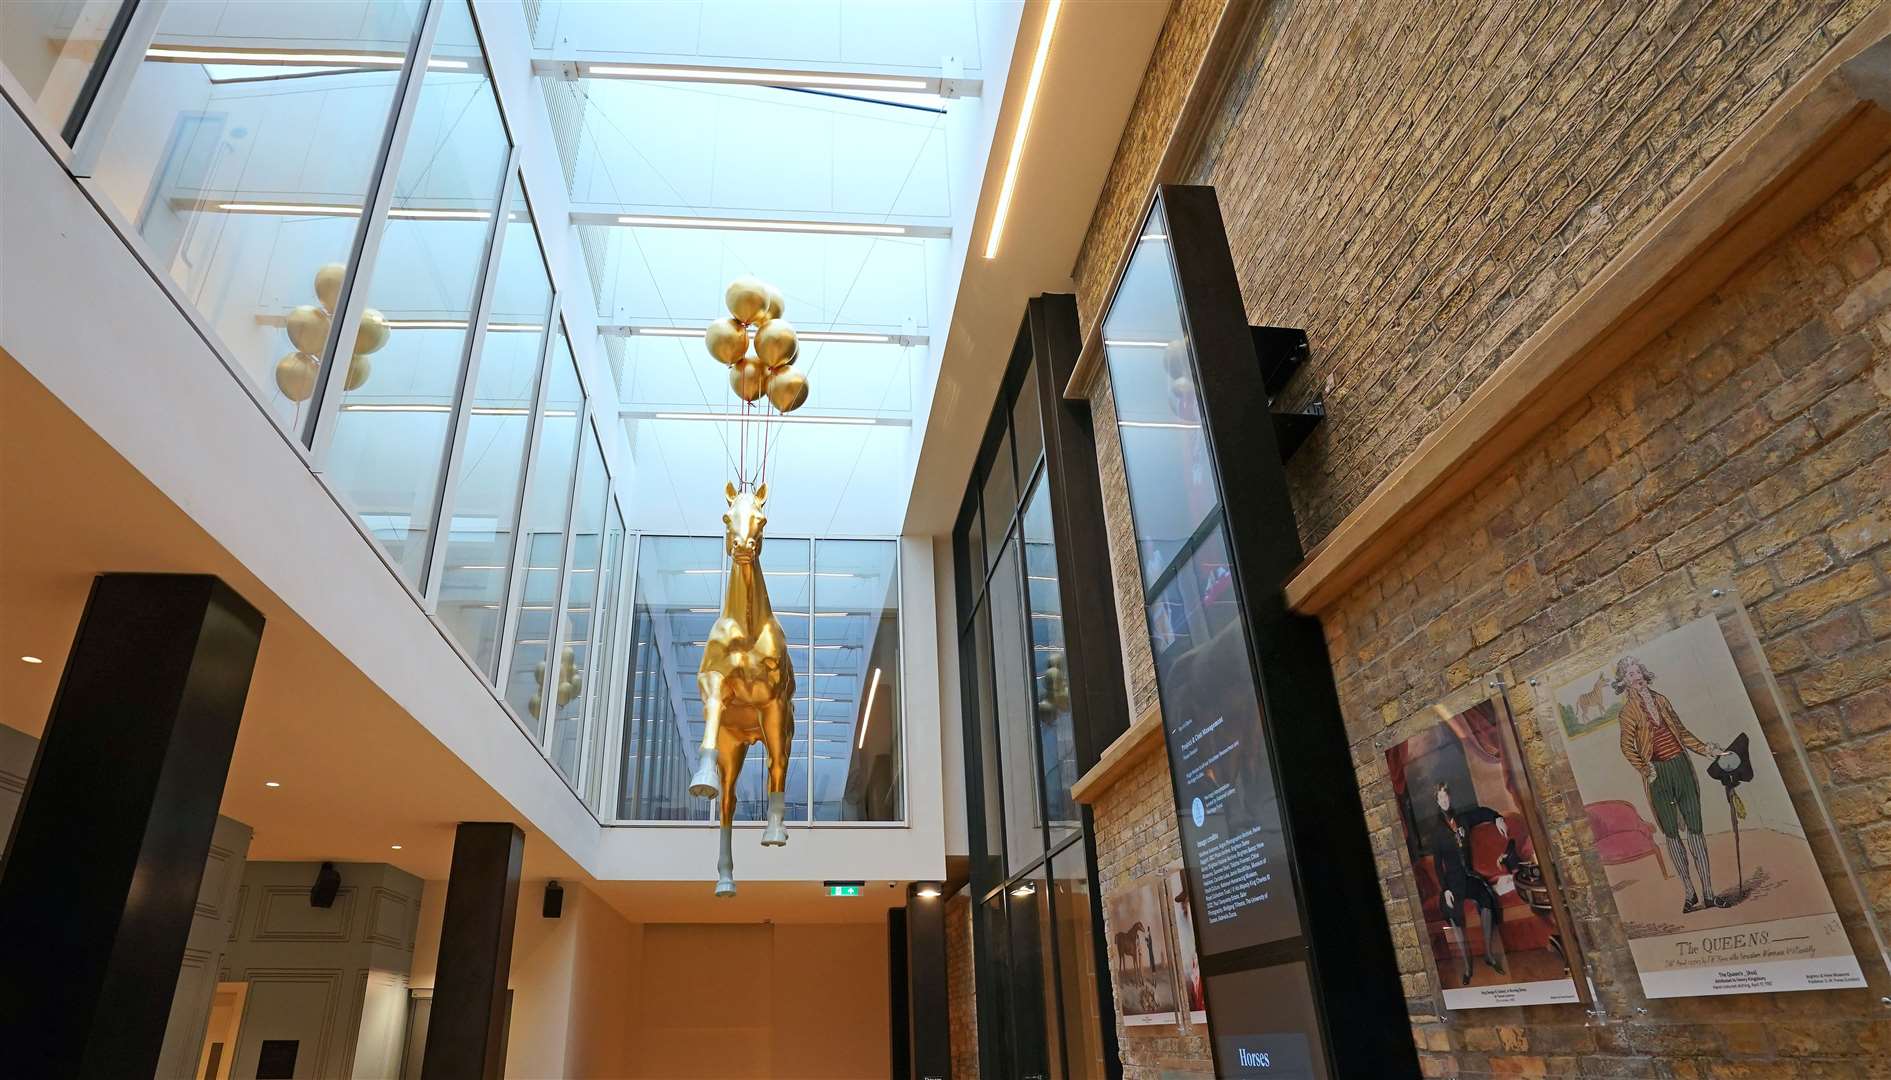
x=747, y=684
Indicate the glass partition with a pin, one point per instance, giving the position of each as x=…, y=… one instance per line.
x=1024, y=820
x=678, y=593
x=483, y=507
x=837, y=602
x=1050, y=671
x=577, y=634
x=1077, y=964
x=542, y=523
x=50, y=47
x=606, y=673
x=391, y=434
x=246, y=168
x=856, y=682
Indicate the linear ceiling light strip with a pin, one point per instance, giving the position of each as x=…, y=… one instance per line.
x=1006, y=190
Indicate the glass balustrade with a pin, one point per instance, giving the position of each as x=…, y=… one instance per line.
x=248, y=150
x=391, y=433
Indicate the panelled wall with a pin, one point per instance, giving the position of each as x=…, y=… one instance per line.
x=1420, y=188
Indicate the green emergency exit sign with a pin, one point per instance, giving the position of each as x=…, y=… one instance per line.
x=844, y=888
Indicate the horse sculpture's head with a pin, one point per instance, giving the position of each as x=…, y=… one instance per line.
x=742, y=525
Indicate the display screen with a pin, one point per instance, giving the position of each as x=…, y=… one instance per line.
x=1262, y=1011
x=1224, y=783
x=1262, y=1023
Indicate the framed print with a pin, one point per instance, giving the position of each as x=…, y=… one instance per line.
x=1494, y=920
x=1715, y=883
x=1188, y=962
x=1139, y=950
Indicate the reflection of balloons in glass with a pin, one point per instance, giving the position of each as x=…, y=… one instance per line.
x=308, y=329
x=788, y=389
x=775, y=343
x=746, y=298
x=372, y=334
x=359, y=367
x=328, y=284
x=295, y=376
x=726, y=340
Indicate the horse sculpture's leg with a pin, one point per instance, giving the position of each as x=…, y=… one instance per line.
x=732, y=751
x=705, y=784
x=777, y=737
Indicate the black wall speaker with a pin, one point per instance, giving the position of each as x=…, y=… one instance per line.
x=327, y=884
x=554, y=900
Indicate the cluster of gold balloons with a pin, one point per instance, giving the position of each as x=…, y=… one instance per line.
x=769, y=368
x=570, y=681
x=308, y=332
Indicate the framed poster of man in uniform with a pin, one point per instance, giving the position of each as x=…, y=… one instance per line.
x=1495, y=925
x=1714, y=880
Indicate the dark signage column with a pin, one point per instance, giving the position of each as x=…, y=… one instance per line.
x=1299, y=971
x=108, y=850
x=466, y=1033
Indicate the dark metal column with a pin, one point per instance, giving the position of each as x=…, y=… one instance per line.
x=899, y=1009
x=107, y=853
x=927, y=993
x=466, y=1034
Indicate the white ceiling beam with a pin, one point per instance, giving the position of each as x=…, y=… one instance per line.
x=891, y=227
x=864, y=83
x=852, y=337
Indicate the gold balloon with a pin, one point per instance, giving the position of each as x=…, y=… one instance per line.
x=748, y=378
x=788, y=389
x=295, y=376
x=359, y=368
x=775, y=343
x=308, y=329
x=746, y=297
x=373, y=332
x=328, y=284
x=773, y=305
x=726, y=340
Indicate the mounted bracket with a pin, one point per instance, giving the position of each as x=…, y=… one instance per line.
x=1282, y=351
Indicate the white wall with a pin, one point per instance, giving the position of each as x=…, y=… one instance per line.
x=572, y=981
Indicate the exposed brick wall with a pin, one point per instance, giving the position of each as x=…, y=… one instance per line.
x=1751, y=443
x=961, y=987
x=1422, y=185
x=1136, y=835
x=1132, y=627
x=1172, y=64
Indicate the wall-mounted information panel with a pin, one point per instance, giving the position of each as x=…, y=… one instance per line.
x=1298, y=966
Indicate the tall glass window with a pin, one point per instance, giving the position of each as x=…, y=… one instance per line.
x=855, y=710
x=1039, y=987
x=578, y=628
x=390, y=441
x=606, y=673
x=678, y=593
x=246, y=172
x=530, y=680
x=1050, y=669
x=50, y=47
x=1077, y=968
x=837, y=602
x=1024, y=819
x=483, y=508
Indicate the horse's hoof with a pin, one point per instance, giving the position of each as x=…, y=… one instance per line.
x=774, y=836
x=707, y=783
x=725, y=887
